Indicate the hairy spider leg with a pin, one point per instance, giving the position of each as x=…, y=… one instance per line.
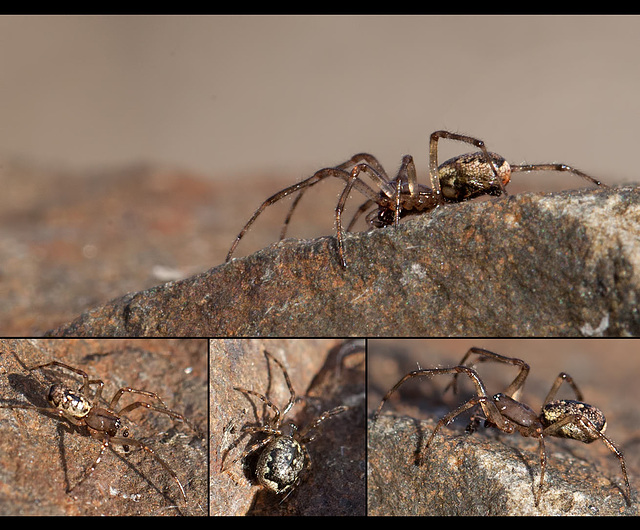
x=86, y=382
x=589, y=427
x=391, y=189
x=292, y=394
x=514, y=388
x=314, y=179
x=126, y=442
x=557, y=167
x=275, y=420
x=136, y=404
x=562, y=377
x=304, y=433
x=487, y=405
x=355, y=159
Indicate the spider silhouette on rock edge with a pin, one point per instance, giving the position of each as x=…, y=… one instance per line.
x=562, y=418
x=389, y=200
x=104, y=423
x=284, y=457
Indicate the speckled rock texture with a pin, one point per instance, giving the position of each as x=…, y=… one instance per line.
x=564, y=264
x=43, y=455
x=324, y=373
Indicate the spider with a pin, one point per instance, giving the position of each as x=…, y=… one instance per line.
x=458, y=179
x=561, y=418
x=284, y=455
x=103, y=423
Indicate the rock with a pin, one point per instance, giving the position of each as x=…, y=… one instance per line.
x=480, y=474
x=564, y=264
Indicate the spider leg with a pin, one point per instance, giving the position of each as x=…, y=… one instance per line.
x=149, y=406
x=406, y=174
x=591, y=429
x=292, y=394
x=355, y=159
x=92, y=467
x=85, y=378
x=353, y=179
x=324, y=416
x=132, y=441
x=514, y=388
x=299, y=186
x=480, y=400
x=543, y=466
x=276, y=418
x=562, y=377
x=488, y=407
x=558, y=167
x=129, y=390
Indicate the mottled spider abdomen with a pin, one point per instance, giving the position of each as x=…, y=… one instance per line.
x=73, y=403
x=555, y=411
x=467, y=176
x=280, y=464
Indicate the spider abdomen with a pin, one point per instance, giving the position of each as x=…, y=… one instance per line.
x=68, y=401
x=467, y=176
x=555, y=412
x=280, y=464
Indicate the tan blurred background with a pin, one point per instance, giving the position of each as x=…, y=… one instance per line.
x=134, y=148
x=232, y=95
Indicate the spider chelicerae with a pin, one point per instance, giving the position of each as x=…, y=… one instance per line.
x=284, y=456
x=562, y=418
x=84, y=411
x=388, y=200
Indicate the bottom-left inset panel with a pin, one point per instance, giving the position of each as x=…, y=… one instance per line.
x=103, y=426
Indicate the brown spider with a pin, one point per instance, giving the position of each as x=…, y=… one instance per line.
x=82, y=411
x=285, y=456
x=458, y=179
x=561, y=418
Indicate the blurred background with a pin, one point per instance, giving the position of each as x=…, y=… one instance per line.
x=134, y=148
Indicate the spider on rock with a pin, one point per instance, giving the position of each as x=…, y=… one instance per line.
x=284, y=455
x=84, y=412
x=562, y=418
x=458, y=179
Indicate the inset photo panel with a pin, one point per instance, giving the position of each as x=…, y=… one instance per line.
x=103, y=427
x=503, y=426
x=287, y=427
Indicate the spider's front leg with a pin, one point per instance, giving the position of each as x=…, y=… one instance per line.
x=300, y=187
x=483, y=355
x=162, y=409
x=344, y=170
x=391, y=190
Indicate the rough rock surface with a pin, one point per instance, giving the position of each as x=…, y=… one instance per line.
x=565, y=264
x=41, y=456
x=480, y=475
x=324, y=374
